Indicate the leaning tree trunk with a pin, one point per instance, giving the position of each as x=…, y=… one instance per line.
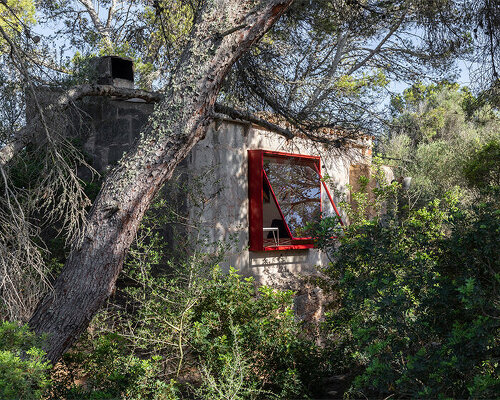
x=223, y=30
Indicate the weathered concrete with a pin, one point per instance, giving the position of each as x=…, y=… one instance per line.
x=108, y=128
x=113, y=125
x=224, y=149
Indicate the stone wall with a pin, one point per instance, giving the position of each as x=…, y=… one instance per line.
x=111, y=126
x=108, y=127
x=224, y=150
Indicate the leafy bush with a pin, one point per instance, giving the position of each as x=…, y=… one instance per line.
x=178, y=326
x=483, y=169
x=419, y=303
x=23, y=368
x=235, y=328
x=245, y=344
x=110, y=371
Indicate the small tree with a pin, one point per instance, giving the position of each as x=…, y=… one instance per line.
x=436, y=130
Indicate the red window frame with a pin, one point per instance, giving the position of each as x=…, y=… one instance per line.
x=256, y=177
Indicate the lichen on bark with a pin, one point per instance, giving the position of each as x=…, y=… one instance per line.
x=178, y=122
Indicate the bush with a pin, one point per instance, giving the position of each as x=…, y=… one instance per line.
x=236, y=328
x=244, y=343
x=23, y=368
x=419, y=304
x=110, y=371
x=483, y=169
x=437, y=131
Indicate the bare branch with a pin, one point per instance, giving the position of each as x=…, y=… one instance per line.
x=373, y=52
x=111, y=13
x=319, y=92
x=103, y=30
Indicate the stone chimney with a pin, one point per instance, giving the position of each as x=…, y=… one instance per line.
x=114, y=70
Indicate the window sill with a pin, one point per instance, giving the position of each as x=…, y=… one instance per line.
x=289, y=247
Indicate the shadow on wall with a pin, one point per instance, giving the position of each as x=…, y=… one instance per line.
x=283, y=269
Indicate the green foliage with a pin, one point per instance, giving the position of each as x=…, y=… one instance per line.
x=230, y=381
x=418, y=303
x=151, y=34
x=245, y=344
x=234, y=325
x=483, y=169
x=15, y=16
x=436, y=132
x=23, y=368
x=111, y=371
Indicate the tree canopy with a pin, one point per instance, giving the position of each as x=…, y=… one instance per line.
x=322, y=64
x=436, y=131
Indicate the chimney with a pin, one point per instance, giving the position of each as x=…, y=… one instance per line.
x=114, y=70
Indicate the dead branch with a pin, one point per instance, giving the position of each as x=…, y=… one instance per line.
x=245, y=116
x=26, y=135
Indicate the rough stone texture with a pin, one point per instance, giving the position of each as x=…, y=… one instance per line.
x=115, y=124
x=308, y=304
x=183, y=117
x=225, y=150
x=111, y=70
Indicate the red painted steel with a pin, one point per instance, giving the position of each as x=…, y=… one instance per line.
x=288, y=155
x=255, y=194
x=290, y=247
x=318, y=168
x=330, y=196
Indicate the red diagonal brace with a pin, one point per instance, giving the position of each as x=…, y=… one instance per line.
x=329, y=195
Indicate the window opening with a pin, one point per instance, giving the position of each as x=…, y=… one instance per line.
x=296, y=192
x=285, y=195
x=274, y=222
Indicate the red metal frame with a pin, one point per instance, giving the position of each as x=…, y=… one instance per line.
x=329, y=196
x=289, y=247
x=287, y=155
x=255, y=194
x=256, y=176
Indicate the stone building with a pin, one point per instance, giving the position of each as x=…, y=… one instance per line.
x=262, y=188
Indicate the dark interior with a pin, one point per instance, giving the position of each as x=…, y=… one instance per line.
x=121, y=68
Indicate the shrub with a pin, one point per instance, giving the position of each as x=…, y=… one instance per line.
x=419, y=300
x=111, y=371
x=244, y=343
x=483, y=169
x=23, y=368
x=255, y=333
x=442, y=136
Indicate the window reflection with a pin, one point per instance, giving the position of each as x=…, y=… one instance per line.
x=296, y=188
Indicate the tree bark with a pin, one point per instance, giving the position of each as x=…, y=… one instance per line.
x=223, y=30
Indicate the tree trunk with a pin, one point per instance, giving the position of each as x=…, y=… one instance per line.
x=223, y=30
